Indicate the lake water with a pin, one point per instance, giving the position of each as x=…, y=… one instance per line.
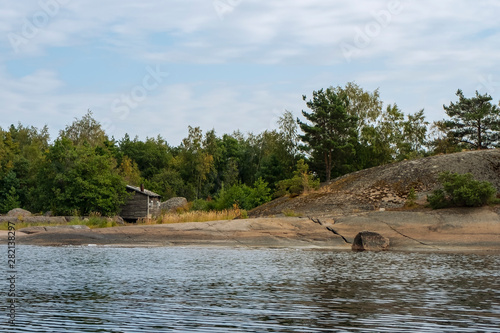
x=95, y=289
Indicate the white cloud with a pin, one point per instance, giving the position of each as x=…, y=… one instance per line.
x=418, y=57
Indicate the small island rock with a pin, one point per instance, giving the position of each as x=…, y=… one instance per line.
x=370, y=241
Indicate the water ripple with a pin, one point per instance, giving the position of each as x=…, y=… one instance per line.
x=79, y=289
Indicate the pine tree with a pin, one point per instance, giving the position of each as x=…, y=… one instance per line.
x=331, y=136
x=474, y=121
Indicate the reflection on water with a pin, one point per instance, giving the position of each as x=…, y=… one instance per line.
x=78, y=289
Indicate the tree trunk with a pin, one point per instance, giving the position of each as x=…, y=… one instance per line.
x=479, y=137
x=328, y=164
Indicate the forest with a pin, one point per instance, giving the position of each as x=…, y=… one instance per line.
x=343, y=129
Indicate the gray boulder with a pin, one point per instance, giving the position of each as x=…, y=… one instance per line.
x=172, y=204
x=117, y=219
x=16, y=212
x=370, y=241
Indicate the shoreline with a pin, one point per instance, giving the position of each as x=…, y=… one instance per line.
x=457, y=230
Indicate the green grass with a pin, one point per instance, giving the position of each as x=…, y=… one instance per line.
x=91, y=222
x=19, y=225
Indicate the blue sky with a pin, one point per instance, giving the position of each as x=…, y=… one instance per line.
x=154, y=67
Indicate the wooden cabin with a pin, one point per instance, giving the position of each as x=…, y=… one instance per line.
x=142, y=204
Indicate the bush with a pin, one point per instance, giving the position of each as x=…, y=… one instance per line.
x=203, y=205
x=302, y=181
x=290, y=213
x=461, y=190
x=411, y=200
x=438, y=199
x=244, y=196
x=241, y=195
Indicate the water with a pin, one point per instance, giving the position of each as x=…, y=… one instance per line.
x=92, y=289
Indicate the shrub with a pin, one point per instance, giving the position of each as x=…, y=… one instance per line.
x=290, y=213
x=302, y=181
x=438, y=199
x=461, y=190
x=411, y=200
x=259, y=195
x=244, y=196
x=203, y=205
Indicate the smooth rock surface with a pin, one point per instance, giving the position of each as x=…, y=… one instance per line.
x=474, y=230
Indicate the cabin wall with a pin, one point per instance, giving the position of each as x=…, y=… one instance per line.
x=136, y=207
x=154, y=207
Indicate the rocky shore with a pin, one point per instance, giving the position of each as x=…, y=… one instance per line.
x=386, y=186
x=450, y=230
x=369, y=200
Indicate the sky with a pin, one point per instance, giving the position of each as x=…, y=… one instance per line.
x=152, y=67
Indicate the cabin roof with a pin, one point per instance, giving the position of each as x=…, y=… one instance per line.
x=145, y=192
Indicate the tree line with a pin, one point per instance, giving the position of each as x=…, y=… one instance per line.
x=345, y=129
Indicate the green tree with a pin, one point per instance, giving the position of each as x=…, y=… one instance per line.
x=474, y=121
x=151, y=156
x=9, y=149
x=130, y=171
x=364, y=105
x=404, y=136
x=288, y=131
x=302, y=181
x=168, y=183
x=272, y=170
x=10, y=187
x=331, y=135
x=21, y=153
x=196, y=162
x=371, y=148
x=414, y=136
x=440, y=143
x=79, y=178
x=84, y=130
x=10, y=201
x=244, y=196
x=261, y=193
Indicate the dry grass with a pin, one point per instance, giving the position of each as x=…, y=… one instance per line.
x=177, y=217
x=291, y=213
x=340, y=183
x=198, y=216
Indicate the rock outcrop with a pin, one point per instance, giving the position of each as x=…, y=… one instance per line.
x=172, y=204
x=386, y=186
x=462, y=230
x=16, y=212
x=370, y=241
